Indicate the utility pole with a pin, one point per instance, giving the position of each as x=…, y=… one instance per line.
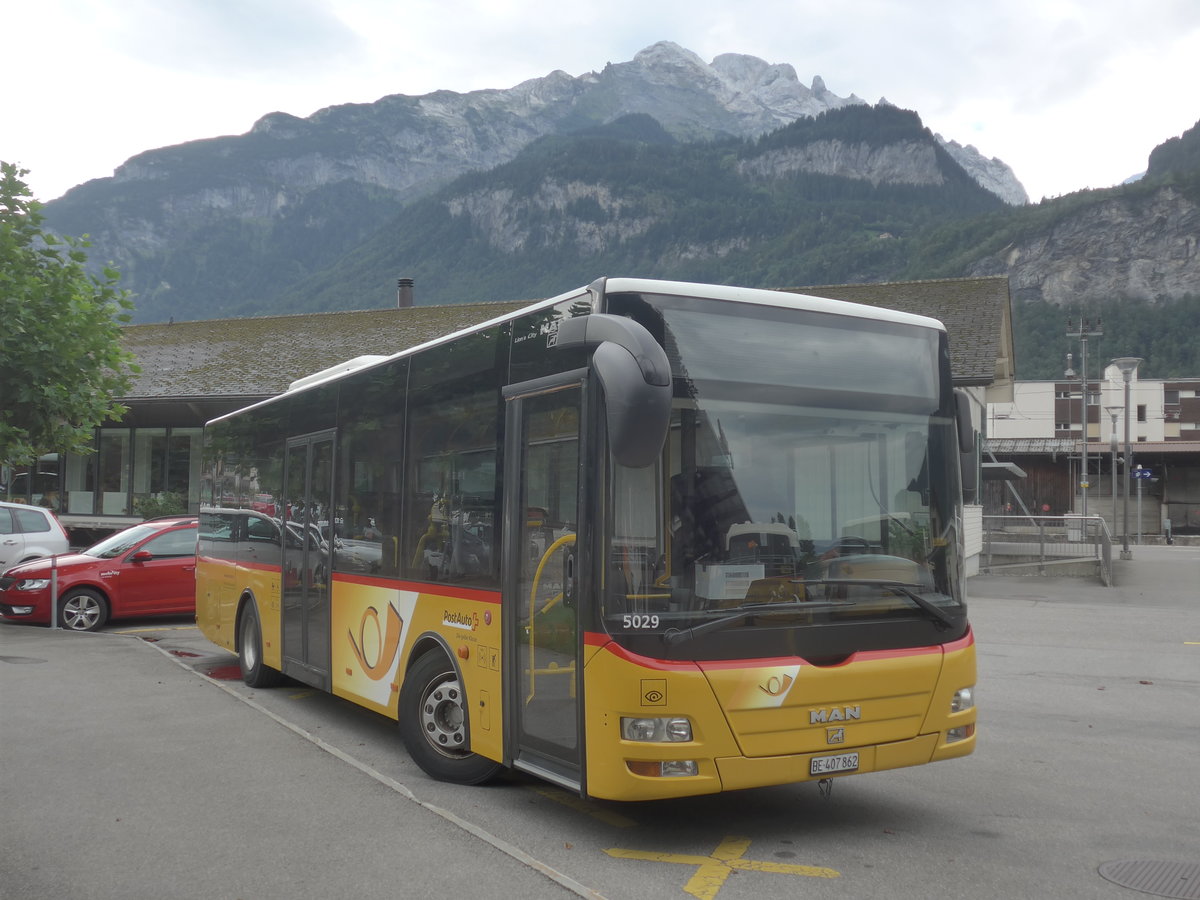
x=1083, y=331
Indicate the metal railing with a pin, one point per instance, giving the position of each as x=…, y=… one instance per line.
x=1047, y=545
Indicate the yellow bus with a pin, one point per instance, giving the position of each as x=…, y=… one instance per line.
x=645, y=539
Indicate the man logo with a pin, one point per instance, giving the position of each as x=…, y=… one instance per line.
x=836, y=714
x=835, y=735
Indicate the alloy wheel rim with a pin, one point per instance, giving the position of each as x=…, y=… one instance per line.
x=81, y=613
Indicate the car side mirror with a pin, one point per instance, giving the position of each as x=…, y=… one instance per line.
x=141, y=556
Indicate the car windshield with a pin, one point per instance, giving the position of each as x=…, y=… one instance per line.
x=114, y=545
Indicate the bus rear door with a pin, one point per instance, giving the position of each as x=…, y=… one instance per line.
x=307, y=538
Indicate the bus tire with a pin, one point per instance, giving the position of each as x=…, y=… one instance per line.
x=255, y=673
x=82, y=609
x=433, y=723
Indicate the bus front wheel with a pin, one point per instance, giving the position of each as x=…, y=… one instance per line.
x=433, y=723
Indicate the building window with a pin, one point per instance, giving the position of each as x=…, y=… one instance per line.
x=1141, y=412
x=146, y=472
x=113, y=471
x=37, y=484
x=166, y=470
x=1171, y=397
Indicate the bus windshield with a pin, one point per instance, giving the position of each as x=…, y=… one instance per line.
x=807, y=502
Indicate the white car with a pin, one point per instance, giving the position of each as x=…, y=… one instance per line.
x=29, y=532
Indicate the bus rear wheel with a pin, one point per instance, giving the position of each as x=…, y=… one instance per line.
x=433, y=723
x=250, y=651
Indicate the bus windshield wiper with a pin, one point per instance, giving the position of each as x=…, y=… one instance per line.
x=673, y=636
x=942, y=618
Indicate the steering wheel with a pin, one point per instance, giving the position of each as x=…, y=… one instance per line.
x=853, y=540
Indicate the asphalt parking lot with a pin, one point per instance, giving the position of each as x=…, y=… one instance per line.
x=134, y=764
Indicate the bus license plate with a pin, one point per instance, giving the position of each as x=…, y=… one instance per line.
x=829, y=765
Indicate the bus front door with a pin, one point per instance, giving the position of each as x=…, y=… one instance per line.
x=541, y=613
x=307, y=539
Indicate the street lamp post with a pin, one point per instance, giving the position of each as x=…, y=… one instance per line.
x=1083, y=332
x=1113, y=411
x=1128, y=365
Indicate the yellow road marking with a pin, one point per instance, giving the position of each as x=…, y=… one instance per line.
x=711, y=871
x=579, y=805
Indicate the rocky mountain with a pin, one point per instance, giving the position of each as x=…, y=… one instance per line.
x=218, y=224
x=835, y=198
x=1137, y=241
x=1132, y=244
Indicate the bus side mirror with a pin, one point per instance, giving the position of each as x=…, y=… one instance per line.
x=966, y=445
x=636, y=376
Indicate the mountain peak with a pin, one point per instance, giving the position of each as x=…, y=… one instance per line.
x=667, y=53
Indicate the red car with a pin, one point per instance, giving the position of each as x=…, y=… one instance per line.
x=146, y=570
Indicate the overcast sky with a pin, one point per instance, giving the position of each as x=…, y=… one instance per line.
x=1069, y=93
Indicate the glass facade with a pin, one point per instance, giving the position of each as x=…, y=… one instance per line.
x=133, y=473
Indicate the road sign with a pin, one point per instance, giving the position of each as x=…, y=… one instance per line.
x=1141, y=474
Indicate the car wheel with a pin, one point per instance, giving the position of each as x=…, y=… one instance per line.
x=250, y=652
x=433, y=723
x=83, y=609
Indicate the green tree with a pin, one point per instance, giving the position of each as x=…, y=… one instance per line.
x=62, y=365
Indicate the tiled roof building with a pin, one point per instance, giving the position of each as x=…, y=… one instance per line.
x=191, y=372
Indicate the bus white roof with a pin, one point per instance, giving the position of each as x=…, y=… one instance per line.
x=758, y=296
x=762, y=297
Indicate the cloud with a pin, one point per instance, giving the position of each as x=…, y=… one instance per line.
x=1067, y=92
x=231, y=38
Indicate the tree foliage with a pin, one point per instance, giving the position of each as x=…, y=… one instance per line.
x=62, y=365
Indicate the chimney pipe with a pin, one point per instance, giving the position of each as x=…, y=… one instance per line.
x=404, y=293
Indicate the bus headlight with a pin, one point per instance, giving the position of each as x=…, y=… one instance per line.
x=656, y=731
x=964, y=698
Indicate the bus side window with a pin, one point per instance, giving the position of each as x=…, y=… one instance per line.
x=450, y=490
